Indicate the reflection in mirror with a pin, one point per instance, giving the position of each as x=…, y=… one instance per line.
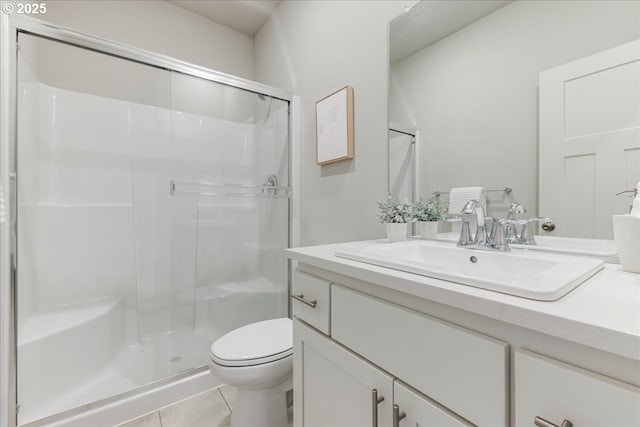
x=402, y=163
x=465, y=75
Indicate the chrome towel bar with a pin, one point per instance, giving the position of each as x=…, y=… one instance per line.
x=213, y=189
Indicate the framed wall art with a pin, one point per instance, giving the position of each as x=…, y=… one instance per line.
x=334, y=127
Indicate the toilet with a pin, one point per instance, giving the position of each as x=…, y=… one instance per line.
x=257, y=359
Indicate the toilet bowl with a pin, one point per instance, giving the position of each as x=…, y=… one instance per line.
x=257, y=359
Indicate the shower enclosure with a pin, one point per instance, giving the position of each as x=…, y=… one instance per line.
x=152, y=209
x=402, y=167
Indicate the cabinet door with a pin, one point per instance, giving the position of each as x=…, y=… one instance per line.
x=419, y=411
x=461, y=369
x=335, y=388
x=555, y=391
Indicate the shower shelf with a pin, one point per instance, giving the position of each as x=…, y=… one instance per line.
x=212, y=189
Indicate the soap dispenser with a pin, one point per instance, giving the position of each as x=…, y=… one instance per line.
x=626, y=232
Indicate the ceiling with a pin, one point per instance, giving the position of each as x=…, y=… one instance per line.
x=246, y=16
x=429, y=21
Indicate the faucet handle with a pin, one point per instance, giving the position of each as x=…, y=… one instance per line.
x=499, y=240
x=465, y=232
x=494, y=225
x=527, y=237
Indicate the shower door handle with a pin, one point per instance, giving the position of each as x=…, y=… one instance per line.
x=301, y=298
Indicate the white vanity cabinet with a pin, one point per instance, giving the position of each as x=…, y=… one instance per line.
x=440, y=374
x=335, y=388
x=462, y=370
x=444, y=354
x=549, y=392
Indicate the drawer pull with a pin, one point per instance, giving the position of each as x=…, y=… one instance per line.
x=301, y=298
x=541, y=422
x=397, y=416
x=375, y=401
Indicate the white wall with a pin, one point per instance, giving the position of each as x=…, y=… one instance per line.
x=474, y=94
x=160, y=27
x=313, y=48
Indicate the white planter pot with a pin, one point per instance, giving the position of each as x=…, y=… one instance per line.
x=397, y=231
x=626, y=232
x=428, y=229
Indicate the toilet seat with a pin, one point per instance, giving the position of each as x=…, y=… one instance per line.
x=254, y=344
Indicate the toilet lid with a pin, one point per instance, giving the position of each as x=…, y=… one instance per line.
x=254, y=344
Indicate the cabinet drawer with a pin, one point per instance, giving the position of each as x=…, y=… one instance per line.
x=310, y=300
x=556, y=391
x=460, y=369
x=420, y=411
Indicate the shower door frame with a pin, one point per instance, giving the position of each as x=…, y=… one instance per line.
x=10, y=27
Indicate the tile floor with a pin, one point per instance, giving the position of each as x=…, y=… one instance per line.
x=209, y=409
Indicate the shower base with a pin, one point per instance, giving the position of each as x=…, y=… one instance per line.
x=78, y=362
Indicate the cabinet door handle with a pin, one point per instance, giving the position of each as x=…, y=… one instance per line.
x=375, y=401
x=397, y=416
x=301, y=298
x=541, y=422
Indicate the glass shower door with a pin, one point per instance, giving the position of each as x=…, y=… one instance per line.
x=230, y=201
x=153, y=210
x=91, y=128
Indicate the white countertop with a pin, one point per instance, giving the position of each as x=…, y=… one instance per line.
x=603, y=312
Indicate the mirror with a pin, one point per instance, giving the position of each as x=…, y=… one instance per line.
x=465, y=76
x=402, y=165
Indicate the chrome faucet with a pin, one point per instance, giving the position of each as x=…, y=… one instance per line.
x=511, y=230
x=503, y=231
x=482, y=240
x=474, y=207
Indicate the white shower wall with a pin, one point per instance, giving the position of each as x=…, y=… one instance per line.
x=96, y=199
x=111, y=262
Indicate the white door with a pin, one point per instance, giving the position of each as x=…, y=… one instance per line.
x=335, y=388
x=589, y=140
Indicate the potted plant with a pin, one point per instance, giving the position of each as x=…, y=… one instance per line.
x=396, y=216
x=427, y=214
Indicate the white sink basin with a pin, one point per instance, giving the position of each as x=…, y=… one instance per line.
x=539, y=276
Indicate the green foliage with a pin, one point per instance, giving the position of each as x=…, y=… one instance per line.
x=431, y=210
x=393, y=211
